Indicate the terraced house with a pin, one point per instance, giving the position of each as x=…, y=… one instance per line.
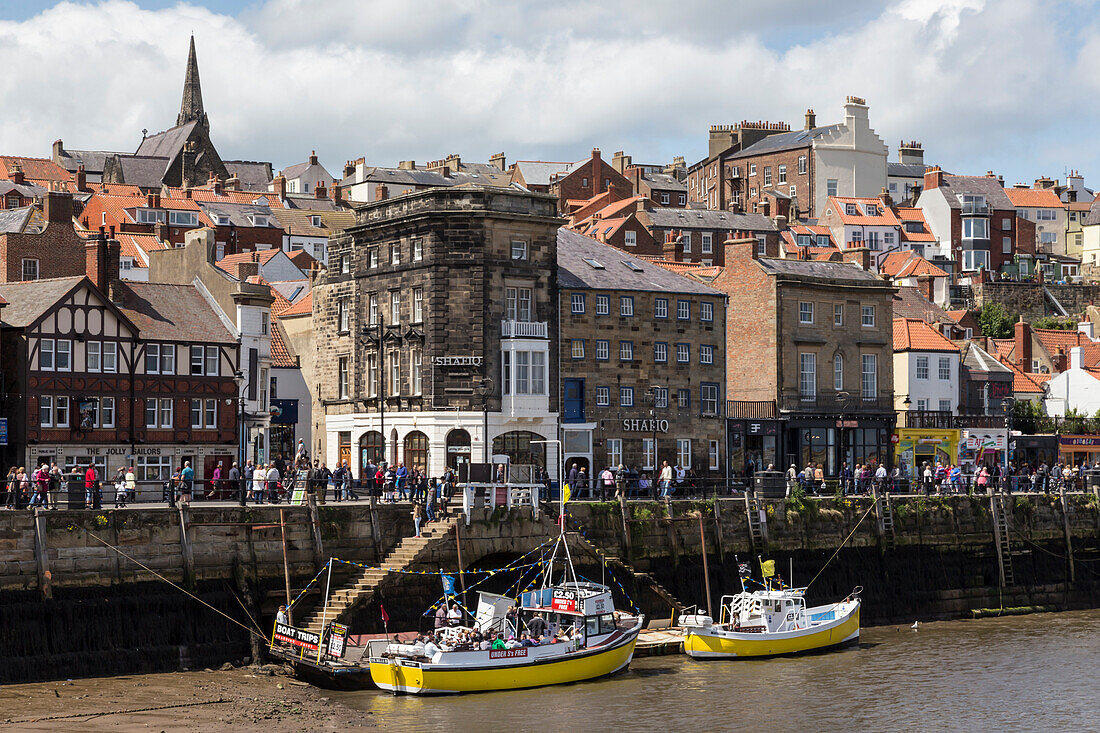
x=642, y=362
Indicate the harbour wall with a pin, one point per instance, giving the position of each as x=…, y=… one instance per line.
x=71, y=606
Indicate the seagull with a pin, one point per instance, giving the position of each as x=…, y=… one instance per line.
x=915, y=626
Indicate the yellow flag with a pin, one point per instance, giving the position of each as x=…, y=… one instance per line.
x=565, y=493
x=767, y=568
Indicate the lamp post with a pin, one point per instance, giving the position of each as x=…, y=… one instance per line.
x=1008, y=404
x=239, y=380
x=652, y=393
x=485, y=389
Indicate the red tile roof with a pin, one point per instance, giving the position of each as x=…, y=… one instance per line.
x=685, y=268
x=229, y=262
x=908, y=264
x=1034, y=198
x=909, y=214
x=913, y=334
x=303, y=307
x=885, y=217
x=229, y=197
x=38, y=170
x=115, y=208
x=139, y=246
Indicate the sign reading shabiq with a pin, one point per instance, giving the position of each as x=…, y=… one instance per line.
x=645, y=426
x=449, y=361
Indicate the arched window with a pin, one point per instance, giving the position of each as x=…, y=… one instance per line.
x=838, y=372
x=458, y=448
x=520, y=450
x=370, y=449
x=416, y=450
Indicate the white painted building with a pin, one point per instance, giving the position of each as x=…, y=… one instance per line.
x=926, y=368
x=1075, y=389
x=850, y=158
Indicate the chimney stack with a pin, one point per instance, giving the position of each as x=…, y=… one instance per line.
x=279, y=186
x=910, y=153
x=58, y=207
x=349, y=169
x=58, y=151
x=885, y=198
x=101, y=259
x=15, y=174
x=407, y=165
x=498, y=161
x=313, y=157
x=811, y=119
x=81, y=177
x=1022, y=345
x=152, y=200
x=381, y=193
x=933, y=178
x=320, y=191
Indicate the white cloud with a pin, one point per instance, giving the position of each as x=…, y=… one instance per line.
x=1007, y=85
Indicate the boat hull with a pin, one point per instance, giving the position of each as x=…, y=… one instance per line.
x=703, y=643
x=434, y=679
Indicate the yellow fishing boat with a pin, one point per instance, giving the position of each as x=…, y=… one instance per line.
x=589, y=639
x=770, y=623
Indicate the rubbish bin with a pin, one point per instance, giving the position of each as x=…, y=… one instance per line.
x=74, y=489
x=769, y=485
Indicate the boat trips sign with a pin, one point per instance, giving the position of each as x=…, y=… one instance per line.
x=564, y=600
x=297, y=637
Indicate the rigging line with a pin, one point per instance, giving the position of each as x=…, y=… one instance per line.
x=841, y=546
x=244, y=608
x=1040, y=548
x=169, y=582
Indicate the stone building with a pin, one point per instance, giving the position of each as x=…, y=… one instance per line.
x=641, y=361
x=811, y=377
x=434, y=330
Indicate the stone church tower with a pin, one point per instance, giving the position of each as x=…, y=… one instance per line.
x=191, y=106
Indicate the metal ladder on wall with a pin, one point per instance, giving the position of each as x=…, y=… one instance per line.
x=885, y=513
x=1004, y=546
x=758, y=530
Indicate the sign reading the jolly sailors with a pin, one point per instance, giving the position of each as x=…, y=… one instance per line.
x=297, y=637
x=564, y=600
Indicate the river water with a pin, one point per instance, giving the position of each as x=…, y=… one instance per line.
x=1026, y=673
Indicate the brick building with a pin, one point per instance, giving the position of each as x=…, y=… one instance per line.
x=116, y=374
x=811, y=378
x=709, y=181
x=434, y=330
x=585, y=179
x=696, y=235
x=641, y=360
x=41, y=243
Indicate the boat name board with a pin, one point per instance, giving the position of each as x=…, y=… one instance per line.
x=297, y=637
x=507, y=653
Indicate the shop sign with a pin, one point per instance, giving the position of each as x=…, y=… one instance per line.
x=984, y=441
x=847, y=423
x=338, y=634
x=450, y=361
x=104, y=450
x=645, y=426
x=3, y=431
x=1081, y=440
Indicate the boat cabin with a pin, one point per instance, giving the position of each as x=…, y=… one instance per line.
x=768, y=611
x=586, y=607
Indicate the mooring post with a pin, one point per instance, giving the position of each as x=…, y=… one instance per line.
x=315, y=529
x=706, y=570
x=41, y=554
x=626, y=530
x=718, y=532
x=185, y=543
x=286, y=566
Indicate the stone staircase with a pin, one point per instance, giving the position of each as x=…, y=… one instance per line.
x=363, y=584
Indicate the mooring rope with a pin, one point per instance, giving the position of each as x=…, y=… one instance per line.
x=169, y=582
x=841, y=546
x=118, y=712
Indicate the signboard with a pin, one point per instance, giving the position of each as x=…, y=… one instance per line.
x=301, y=483
x=1083, y=440
x=447, y=361
x=508, y=653
x=338, y=635
x=645, y=426
x=564, y=600
x=985, y=440
x=296, y=637
x=3, y=431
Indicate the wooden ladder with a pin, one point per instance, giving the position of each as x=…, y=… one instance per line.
x=1003, y=542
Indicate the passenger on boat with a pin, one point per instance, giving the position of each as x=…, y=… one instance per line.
x=537, y=625
x=441, y=616
x=454, y=615
x=485, y=645
x=512, y=643
x=498, y=642
x=430, y=648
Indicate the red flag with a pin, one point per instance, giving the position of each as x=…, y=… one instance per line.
x=385, y=616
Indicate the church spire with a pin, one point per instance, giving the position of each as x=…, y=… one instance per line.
x=191, y=107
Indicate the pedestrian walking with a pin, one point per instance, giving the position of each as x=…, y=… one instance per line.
x=418, y=516
x=236, y=484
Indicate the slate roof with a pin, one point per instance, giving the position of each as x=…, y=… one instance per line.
x=92, y=160
x=238, y=213
x=310, y=172
x=906, y=170
x=813, y=270
x=994, y=192
x=1093, y=217
x=253, y=175
x=167, y=144
x=640, y=275
x=12, y=221
x=145, y=171
x=167, y=312
x=784, y=141
x=26, y=190
x=292, y=290
x=400, y=176
x=664, y=182
x=913, y=334
x=709, y=219
x=27, y=301
x=910, y=303
x=977, y=358
x=539, y=172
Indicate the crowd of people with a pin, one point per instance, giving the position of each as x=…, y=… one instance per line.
x=621, y=481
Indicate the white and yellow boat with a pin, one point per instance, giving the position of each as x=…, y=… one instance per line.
x=598, y=641
x=770, y=623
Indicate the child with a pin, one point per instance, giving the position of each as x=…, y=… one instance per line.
x=120, y=493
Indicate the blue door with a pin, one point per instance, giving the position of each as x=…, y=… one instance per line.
x=573, y=400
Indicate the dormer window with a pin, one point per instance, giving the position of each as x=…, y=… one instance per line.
x=221, y=220
x=146, y=216
x=872, y=210
x=183, y=218
x=258, y=220
x=315, y=220
x=850, y=209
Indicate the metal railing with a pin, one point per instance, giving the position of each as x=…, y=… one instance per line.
x=1062, y=425
x=523, y=329
x=974, y=208
x=943, y=420
x=836, y=402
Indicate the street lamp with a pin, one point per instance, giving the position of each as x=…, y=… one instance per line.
x=1008, y=404
x=239, y=380
x=652, y=393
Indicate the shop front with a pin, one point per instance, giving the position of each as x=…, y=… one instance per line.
x=1078, y=449
x=829, y=443
x=754, y=445
x=915, y=447
x=983, y=447
x=1033, y=450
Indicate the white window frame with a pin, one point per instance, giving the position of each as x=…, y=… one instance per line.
x=920, y=368
x=649, y=458
x=838, y=372
x=806, y=312
x=603, y=305
x=576, y=303
x=519, y=249
x=28, y=276
x=706, y=354
x=418, y=249
x=713, y=455
x=943, y=370
x=807, y=376
x=46, y=353
x=343, y=316
x=802, y=165
x=705, y=245
x=93, y=356
x=45, y=411
x=66, y=352
x=418, y=305
x=626, y=396
x=395, y=307
x=869, y=376
x=342, y=378
x=867, y=316
x=614, y=451
x=683, y=453
x=603, y=396
x=630, y=238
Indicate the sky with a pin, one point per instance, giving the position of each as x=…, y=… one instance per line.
x=1003, y=85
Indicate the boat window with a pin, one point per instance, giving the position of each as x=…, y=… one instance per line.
x=607, y=623
x=592, y=625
